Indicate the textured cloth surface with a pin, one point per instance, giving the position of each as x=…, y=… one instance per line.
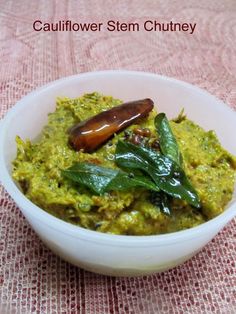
x=32, y=278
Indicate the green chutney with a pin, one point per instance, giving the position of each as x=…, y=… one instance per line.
x=37, y=170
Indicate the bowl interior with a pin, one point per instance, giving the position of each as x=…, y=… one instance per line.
x=28, y=117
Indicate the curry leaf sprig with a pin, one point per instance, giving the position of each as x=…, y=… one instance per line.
x=141, y=166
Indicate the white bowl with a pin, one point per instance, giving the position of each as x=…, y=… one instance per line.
x=104, y=253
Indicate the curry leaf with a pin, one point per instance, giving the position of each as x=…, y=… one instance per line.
x=143, y=158
x=165, y=172
x=125, y=181
x=100, y=179
x=168, y=143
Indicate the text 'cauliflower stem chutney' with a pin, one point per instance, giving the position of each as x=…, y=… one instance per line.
x=124, y=169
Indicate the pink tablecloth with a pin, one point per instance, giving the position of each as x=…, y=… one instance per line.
x=34, y=280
